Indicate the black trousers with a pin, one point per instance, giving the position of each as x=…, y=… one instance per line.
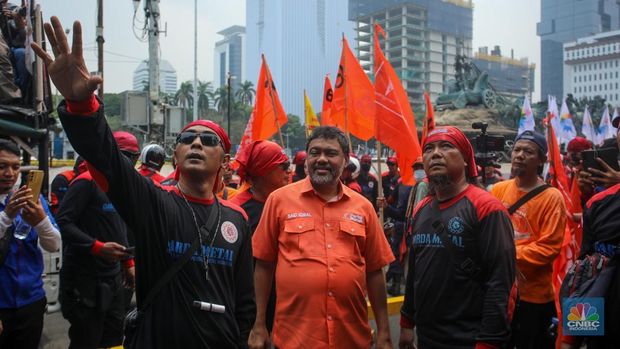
x=531, y=326
x=22, y=326
x=95, y=323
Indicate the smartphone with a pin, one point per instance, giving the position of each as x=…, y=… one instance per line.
x=131, y=250
x=609, y=155
x=35, y=182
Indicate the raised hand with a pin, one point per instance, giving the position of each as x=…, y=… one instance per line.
x=68, y=70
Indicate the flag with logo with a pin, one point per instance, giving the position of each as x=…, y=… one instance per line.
x=268, y=115
x=526, y=122
x=554, y=117
x=587, y=128
x=605, y=129
x=328, y=95
x=311, y=119
x=394, y=120
x=568, y=131
x=429, y=120
x=353, y=106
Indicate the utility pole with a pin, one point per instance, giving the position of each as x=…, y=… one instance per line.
x=195, y=60
x=100, y=42
x=156, y=118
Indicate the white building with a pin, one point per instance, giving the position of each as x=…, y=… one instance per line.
x=301, y=41
x=229, y=57
x=167, y=77
x=592, y=67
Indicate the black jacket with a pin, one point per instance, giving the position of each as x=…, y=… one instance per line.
x=164, y=228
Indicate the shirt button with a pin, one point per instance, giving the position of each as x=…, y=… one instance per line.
x=331, y=269
x=329, y=317
x=299, y=226
x=330, y=293
x=352, y=229
x=329, y=245
x=328, y=225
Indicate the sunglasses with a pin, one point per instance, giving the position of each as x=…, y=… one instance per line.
x=207, y=139
x=285, y=166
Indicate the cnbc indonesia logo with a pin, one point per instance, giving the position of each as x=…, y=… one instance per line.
x=584, y=319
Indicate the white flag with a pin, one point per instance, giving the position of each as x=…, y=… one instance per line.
x=605, y=129
x=526, y=122
x=555, y=118
x=566, y=121
x=587, y=128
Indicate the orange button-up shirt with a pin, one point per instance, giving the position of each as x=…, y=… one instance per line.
x=323, y=252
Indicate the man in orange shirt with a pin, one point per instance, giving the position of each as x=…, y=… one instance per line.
x=539, y=231
x=326, y=247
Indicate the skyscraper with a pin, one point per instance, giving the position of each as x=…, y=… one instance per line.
x=301, y=41
x=423, y=39
x=508, y=76
x=229, y=57
x=563, y=21
x=167, y=77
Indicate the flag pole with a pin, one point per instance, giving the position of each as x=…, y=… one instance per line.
x=379, y=181
x=273, y=101
x=346, y=121
x=305, y=115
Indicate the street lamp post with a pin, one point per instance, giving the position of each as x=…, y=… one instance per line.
x=229, y=78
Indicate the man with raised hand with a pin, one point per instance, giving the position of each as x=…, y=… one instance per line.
x=209, y=302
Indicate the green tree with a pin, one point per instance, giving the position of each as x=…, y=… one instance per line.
x=112, y=103
x=185, y=95
x=246, y=92
x=221, y=99
x=204, y=97
x=296, y=133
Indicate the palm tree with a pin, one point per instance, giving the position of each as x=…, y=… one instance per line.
x=185, y=95
x=246, y=92
x=221, y=99
x=204, y=97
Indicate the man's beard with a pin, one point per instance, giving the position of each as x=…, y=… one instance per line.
x=517, y=172
x=322, y=179
x=438, y=181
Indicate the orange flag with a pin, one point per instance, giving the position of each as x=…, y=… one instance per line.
x=570, y=246
x=394, y=125
x=353, y=105
x=268, y=115
x=429, y=120
x=328, y=95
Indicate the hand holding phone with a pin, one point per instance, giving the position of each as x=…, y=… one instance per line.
x=34, y=183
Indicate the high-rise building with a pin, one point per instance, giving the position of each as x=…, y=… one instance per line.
x=301, y=41
x=563, y=21
x=229, y=57
x=167, y=77
x=592, y=66
x=508, y=76
x=423, y=39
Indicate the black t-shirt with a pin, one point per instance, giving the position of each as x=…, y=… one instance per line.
x=164, y=228
x=451, y=308
x=252, y=207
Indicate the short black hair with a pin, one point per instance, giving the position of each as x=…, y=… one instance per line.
x=329, y=132
x=9, y=146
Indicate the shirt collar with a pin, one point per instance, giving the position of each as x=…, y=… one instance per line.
x=343, y=190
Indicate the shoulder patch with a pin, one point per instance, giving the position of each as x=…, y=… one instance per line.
x=229, y=232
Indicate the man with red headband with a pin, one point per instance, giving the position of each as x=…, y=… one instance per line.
x=389, y=178
x=265, y=166
x=300, y=165
x=367, y=181
x=461, y=288
x=209, y=301
x=94, y=241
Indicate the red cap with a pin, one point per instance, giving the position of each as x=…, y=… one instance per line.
x=366, y=158
x=126, y=141
x=392, y=159
x=458, y=139
x=219, y=131
x=578, y=144
x=300, y=157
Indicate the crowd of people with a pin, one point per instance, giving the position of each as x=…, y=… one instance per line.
x=288, y=257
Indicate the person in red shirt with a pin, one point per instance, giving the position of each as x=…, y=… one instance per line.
x=152, y=160
x=325, y=246
x=389, y=178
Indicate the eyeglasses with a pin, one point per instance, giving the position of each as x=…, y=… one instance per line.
x=285, y=166
x=207, y=139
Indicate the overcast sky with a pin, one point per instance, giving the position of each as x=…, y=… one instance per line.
x=508, y=23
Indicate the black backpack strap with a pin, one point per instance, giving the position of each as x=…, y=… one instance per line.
x=468, y=259
x=525, y=198
x=179, y=263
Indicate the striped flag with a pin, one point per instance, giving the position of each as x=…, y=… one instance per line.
x=526, y=123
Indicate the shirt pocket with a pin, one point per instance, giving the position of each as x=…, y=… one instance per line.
x=301, y=239
x=350, y=240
